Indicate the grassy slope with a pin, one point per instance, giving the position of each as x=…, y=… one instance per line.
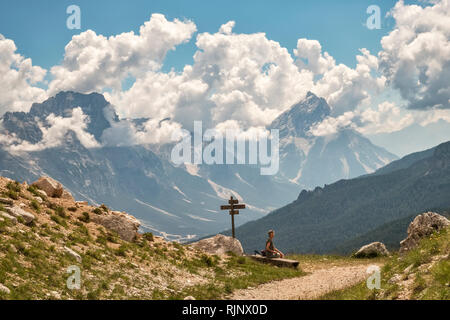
x=33, y=263
x=429, y=274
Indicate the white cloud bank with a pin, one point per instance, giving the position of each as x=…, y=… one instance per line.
x=245, y=79
x=18, y=78
x=54, y=133
x=416, y=54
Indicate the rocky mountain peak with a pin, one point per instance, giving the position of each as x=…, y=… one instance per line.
x=299, y=118
x=26, y=124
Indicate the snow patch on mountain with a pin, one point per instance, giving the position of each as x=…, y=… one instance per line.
x=192, y=169
x=223, y=192
x=156, y=209
x=181, y=192
x=368, y=170
x=242, y=180
x=199, y=218
x=345, y=167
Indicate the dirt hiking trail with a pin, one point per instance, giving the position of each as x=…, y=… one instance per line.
x=320, y=280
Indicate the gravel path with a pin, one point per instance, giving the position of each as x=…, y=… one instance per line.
x=310, y=286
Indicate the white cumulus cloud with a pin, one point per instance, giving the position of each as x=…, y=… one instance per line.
x=416, y=54
x=18, y=79
x=94, y=62
x=54, y=134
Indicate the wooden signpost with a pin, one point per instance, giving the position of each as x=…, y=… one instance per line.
x=233, y=206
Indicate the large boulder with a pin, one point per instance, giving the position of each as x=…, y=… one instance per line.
x=9, y=217
x=17, y=212
x=422, y=226
x=124, y=224
x=220, y=244
x=4, y=289
x=67, y=195
x=51, y=187
x=371, y=250
x=72, y=253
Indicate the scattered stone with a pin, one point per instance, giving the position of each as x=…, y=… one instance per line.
x=395, y=278
x=43, y=193
x=67, y=195
x=82, y=203
x=189, y=298
x=220, y=245
x=422, y=226
x=408, y=270
x=124, y=224
x=54, y=295
x=6, y=201
x=38, y=199
x=17, y=211
x=4, y=289
x=371, y=250
x=22, y=205
x=73, y=254
x=9, y=217
x=50, y=186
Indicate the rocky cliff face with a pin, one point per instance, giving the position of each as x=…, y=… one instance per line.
x=311, y=161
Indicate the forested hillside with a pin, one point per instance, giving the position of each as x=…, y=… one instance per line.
x=325, y=219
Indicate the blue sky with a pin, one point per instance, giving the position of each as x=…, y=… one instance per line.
x=39, y=27
x=376, y=102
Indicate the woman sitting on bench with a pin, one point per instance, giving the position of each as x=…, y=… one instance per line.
x=271, y=251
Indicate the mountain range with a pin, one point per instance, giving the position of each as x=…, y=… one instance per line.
x=180, y=203
x=347, y=214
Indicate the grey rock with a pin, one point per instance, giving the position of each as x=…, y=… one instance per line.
x=408, y=269
x=73, y=254
x=50, y=186
x=38, y=199
x=124, y=224
x=17, y=212
x=4, y=289
x=53, y=295
x=9, y=217
x=43, y=193
x=6, y=201
x=422, y=226
x=67, y=195
x=395, y=278
x=220, y=245
x=374, y=249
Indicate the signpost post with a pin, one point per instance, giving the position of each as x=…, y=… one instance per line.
x=233, y=206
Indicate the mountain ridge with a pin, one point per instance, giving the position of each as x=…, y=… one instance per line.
x=178, y=202
x=321, y=219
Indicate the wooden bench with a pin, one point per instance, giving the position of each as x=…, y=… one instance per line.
x=275, y=261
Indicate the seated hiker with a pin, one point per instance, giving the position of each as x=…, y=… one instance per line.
x=271, y=251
